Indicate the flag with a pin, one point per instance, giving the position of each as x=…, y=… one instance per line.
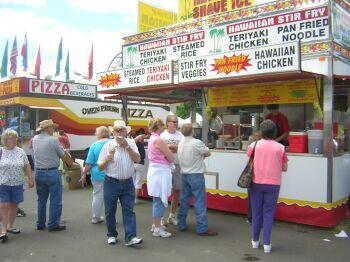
x=59, y=58
x=13, y=57
x=4, y=62
x=24, y=54
x=91, y=63
x=37, y=64
x=66, y=68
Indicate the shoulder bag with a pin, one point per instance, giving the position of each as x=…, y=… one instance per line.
x=245, y=179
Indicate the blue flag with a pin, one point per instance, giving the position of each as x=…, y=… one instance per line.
x=59, y=58
x=4, y=62
x=66, y=68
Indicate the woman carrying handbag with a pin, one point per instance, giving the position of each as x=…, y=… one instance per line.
x=269, y=161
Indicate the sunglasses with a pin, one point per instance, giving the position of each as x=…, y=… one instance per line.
x=175, y=122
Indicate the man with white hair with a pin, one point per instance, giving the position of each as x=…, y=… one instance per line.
x=117, y=158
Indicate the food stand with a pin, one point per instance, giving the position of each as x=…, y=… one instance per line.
x=24, y=102
x=286, y=52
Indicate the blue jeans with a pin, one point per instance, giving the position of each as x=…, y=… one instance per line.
x=193, y=184
x=158, y=208
x=125, y=191
x=49, y=182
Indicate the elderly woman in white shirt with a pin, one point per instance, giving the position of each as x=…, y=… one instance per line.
x=13, y=165
x=191, y=153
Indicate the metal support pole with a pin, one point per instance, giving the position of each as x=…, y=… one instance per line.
x=125, y=108
x=205, y=122
x=328, y=125
x=193, y=113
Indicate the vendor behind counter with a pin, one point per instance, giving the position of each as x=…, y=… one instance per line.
x=281, y=122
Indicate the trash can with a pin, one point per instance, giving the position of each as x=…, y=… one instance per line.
x=71, y=177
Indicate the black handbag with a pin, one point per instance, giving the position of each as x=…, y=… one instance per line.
x=245, y=179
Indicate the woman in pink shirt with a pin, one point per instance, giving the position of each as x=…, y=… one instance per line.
x=269, y=161
x=159, y=178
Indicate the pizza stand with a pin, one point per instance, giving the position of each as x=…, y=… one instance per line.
x=281, y=52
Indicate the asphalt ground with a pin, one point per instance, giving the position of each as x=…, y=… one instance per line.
x=85, y=242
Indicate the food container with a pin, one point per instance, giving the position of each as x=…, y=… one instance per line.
x=298, y=142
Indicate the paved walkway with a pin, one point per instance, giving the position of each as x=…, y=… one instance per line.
x=84, y=242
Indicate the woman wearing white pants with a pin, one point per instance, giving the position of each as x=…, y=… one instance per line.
x=97, y=177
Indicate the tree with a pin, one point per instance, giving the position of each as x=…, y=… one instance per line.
x=183, y=110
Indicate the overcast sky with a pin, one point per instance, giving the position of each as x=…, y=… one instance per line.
x=80, y=23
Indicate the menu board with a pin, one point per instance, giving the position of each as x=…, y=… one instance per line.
x=287, y=92
x=150, y=75
x=275, y=58
x=305, y=25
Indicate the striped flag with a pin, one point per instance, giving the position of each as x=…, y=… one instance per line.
x=24, y=54
x=66, y=68
x=37, y=64
x=91, y=63
x=4, y=62
x=59, y=58
x=13, y=57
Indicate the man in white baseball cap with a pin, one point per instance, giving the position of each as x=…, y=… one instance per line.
x=117, y=158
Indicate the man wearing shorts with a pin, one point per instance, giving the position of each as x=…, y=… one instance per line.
x=172, y=137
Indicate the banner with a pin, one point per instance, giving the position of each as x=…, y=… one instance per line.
x=341, y=26
x=303, y=25
x=9, y=87
x=194, y=9
x=276, y=58
x=151, y=17
x=54, y=88
x=287, y=92
x=151, y=75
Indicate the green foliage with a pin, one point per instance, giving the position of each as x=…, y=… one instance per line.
x=183, y=110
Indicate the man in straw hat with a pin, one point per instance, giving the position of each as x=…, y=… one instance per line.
x=117, y=158
x=47, y=153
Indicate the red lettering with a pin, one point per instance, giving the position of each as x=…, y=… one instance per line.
x=35, y=84
x=48, y=87
x=65, y=89
x=236, y=4
x=57, y=85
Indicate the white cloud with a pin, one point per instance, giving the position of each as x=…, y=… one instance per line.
x=46, y=32
x=123, y=7
x=24, y=2
x=105, y=6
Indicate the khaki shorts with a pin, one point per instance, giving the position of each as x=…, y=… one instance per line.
x=177, y=184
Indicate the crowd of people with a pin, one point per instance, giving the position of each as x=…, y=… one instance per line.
x=116, y=165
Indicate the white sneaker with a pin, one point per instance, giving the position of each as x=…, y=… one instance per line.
x=267, y=248
x=112, y=240
x=172, y=219
x=97, y=220
x=160, y=232
x=255, y=244
x=154, y=226
x=134, y=241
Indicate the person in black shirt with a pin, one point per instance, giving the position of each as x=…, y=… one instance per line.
x=139, y=167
